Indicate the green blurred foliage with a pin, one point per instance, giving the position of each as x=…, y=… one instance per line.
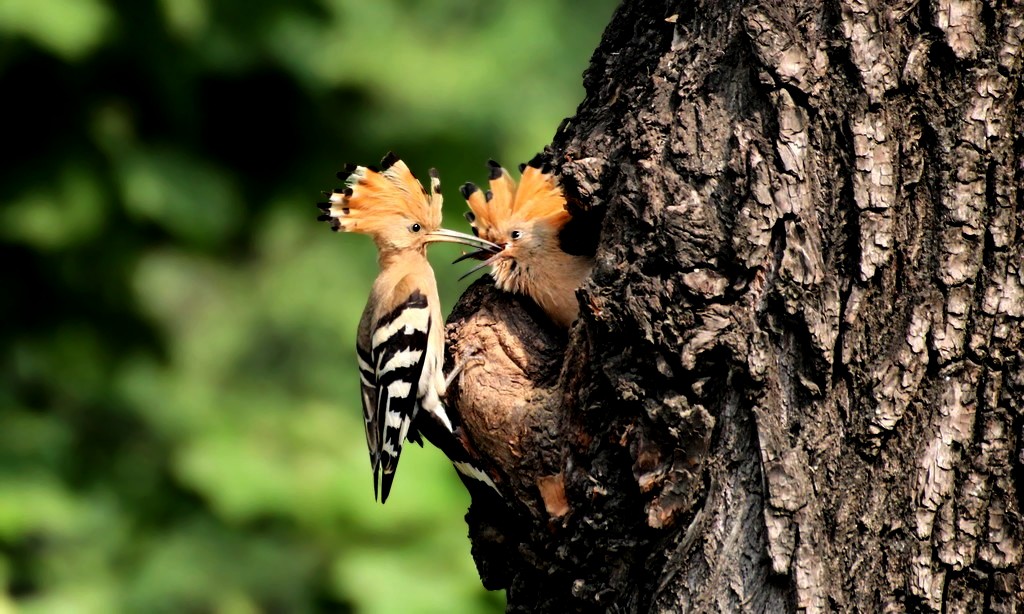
x=179, y=420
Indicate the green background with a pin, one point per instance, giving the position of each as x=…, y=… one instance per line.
x=179, y=420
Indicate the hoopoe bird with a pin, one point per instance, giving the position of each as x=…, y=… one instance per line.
x=400, y=340
x=530, y=222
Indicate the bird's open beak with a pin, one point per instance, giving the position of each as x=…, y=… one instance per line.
x=494, y=258
x=443, y=235
x=481, y=254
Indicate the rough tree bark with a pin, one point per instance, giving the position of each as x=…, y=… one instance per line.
x=797, y=383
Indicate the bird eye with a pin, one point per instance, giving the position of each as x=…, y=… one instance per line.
x=415, y=228
x=516, y=235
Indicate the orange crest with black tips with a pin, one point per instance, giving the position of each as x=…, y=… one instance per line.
x=377, y=201
x=536, y=199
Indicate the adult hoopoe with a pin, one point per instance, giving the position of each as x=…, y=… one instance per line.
x=530, y=222
x=400, y=342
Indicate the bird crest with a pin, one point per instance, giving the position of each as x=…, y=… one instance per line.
x=536, y=199
x=374, y=199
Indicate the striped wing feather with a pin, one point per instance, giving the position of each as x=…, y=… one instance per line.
x=368, y=396
x=398, y=351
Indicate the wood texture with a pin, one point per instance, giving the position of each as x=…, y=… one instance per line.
x=797, y=383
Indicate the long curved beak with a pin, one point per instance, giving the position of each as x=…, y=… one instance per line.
x=483, y=264
x=443, y=235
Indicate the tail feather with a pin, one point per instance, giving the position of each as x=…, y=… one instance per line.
x=376, y=480
x=385, y=486
x=454, y=445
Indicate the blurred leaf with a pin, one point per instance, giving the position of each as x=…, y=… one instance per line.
x=190, y=199
x=198, y=566
x=180, y=426
x=70, y=28
x=186, y=18
x=30, y=438
x=65, y=213
x=43, y=507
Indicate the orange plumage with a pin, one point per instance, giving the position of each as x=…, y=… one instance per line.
x=527, y=220
x=378, y=202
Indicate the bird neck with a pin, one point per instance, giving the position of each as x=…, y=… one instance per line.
x=387, y=258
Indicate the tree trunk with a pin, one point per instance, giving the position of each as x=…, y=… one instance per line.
x=797, y=382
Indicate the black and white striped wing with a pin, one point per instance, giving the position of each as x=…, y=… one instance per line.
x=399, y=348
x=368, y=396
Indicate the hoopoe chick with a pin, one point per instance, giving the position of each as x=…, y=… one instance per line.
x=528, y=221
x=400, y=341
